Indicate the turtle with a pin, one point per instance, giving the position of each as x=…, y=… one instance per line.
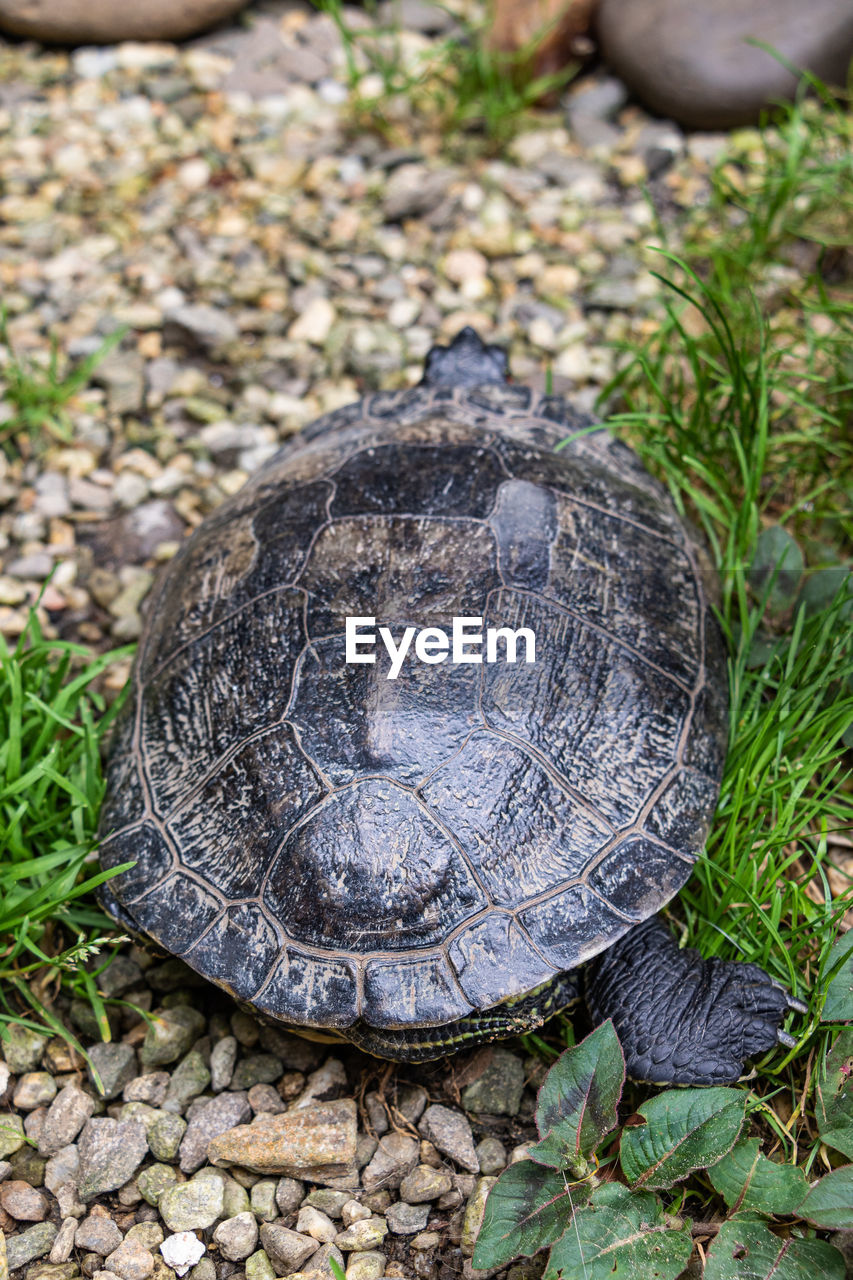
x=425, y=861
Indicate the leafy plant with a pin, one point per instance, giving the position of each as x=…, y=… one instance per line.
x=52, y=719
x=38, y=395
x=459, y=84
x=566, y=1196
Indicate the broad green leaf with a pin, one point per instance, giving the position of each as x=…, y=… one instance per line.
x=745, y=1249
x=684, y=1129
x=746, y=1179
x=834, y=1094
x=528, y=1207
x=578, y=1099
x=838, y=1005
x=830, y=1201
x=620, y=1235
x=777, y=557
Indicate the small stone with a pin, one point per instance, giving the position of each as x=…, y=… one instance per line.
x=424, y=1184
x=204, y=1269
x=165, y=1136
x=97, y=1234
x=411, y=1101
x=60, y=1169
x=450, y=1133
x=426, y=1240
x=314, y=323
x=406, y=1219
x=363, y=1235
x=376, y=1201
x=492, y=1155
x=246, y=1029
x=322, y=1136
x=28, y=1245
x=365, y=1149
x=130, y=1261
x=265, y=1100
x=190, y=1078
x=154, y=1180
x=396, y=1156
x=148, y=1234
x=115, y=1064
x=206, y=326
x=319, y=1265
x=193, y=1205
x=23, y=1202
x=474, y=1211
x=53, y=1270
x=368, y=1265
x=313, y=1222
x=237, y=1237
x=28, y=1165
x=182, y=1251
x=223, y=1056
x=34, y=1089
x=170, y=1035
x=262, y=1200
x=11, y=1134
x=286, y=1249
x=498, y=1090
x=354, y=1211
x=289, y=1193
x=65, y=1117
x=258, y=1068
x=210, y=1120
x=377, y=1116
x=324, y=1084
x=22, y=1048
x=235, y=1198
x=120, y=975
x=110, y=1153
x=259, y=1267
x=64, y=1242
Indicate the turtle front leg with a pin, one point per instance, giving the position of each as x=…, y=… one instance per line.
x=682, y=1019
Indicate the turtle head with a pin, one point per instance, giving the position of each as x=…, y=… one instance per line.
x=466, y=362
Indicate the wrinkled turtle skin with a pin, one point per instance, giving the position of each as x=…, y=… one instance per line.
x=420, y=863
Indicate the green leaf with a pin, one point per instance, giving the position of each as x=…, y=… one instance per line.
x=830, y=1201
x=620, y=1235
x=834, y=1094
x=684, y=1129
x=778, y=558
x=838, y=1005
x=578, y=1100
x=746, y=1179
x=745, y=1249
x=528, y=1207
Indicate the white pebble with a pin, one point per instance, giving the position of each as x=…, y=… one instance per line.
x=182, y=1251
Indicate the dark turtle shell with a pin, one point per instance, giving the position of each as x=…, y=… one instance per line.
x=332, y=845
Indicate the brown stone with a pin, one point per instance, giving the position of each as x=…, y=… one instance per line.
x=689, y=60
x=322, y=1136
x=106, y=22
x=556, y=32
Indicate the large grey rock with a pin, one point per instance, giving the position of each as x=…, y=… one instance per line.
x=689, y=60
x=110, y=1153
x=105, y=22
x=28, y=1245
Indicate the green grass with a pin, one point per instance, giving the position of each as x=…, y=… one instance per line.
x=38, y=394
x=741, y=400
x=52, y=720
x=458, y=86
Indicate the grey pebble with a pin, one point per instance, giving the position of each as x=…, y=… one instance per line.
x=498, y=1090
x=237, y=1237
x=193, y=1205
x=115, y=1064
x=165, y=1135
x=450, y=1133
x=154, y=1180
x=492, y=1155
x=226, y=1111
x=65, y=1117
x=258, y=1068
x=395, y=1156
x=265, y=1100
x=110, y=1153
x=223, y=1056
x=286, y=1249
x=170, y=1035
x=22, y=1048
x=262, y=1200
x=62, y=1168
x=407, y=1219
x=149, y=1088
x=190, y=1078
x=289, y=1193
x=64, y=1242
x=23, y=1202
x=97, y=1234
x=28, y=1245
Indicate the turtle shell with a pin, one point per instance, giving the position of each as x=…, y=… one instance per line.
x=333, y=845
